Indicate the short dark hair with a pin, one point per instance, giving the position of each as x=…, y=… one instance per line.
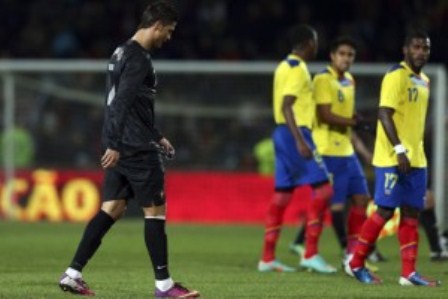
x=415, y=33
x=342, y=40
x=300, y=34
x=160, y=10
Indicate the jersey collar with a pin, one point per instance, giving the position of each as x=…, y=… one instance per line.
x=408, y=68
x=335, y=74
x=294, y=56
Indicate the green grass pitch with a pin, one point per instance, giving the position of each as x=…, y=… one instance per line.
x=219, y=261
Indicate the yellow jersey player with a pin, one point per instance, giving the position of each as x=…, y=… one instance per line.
x=334, y=93
x=400, y=162
x=296, y=159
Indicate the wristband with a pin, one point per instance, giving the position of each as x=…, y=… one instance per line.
x=400, y=149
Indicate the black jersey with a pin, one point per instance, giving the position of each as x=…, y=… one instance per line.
x=129, y=105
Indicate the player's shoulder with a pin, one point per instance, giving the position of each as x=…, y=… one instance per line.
x=349, y=76
x=292, y=62
x=424, y=77
x=134, y=52
x=396, y=68
x=322, y=75
x=396, y=72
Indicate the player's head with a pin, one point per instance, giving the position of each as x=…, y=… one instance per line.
x=159, y=21
x=416, y=49
x=303, y=39
x=342, y=53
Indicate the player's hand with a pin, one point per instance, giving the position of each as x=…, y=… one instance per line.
x=339, y=129
x=167, y=147
x=403, y=163
x=110, y=158
x=304, y=150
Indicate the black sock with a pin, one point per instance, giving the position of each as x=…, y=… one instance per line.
x=300, y=239
x=428, y=221
x=157, y=245
x=338, y=219
x=91, y=240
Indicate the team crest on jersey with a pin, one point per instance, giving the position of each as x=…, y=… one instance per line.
x=345, y=82
x=418, y=81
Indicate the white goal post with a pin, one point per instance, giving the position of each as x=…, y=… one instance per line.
x=9, y=69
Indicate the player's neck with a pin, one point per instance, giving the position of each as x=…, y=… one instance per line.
x=141, y=38
x=338, y=72
x=302, y=54
x=413, y=68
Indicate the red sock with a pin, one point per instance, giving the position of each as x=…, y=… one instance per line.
x=408, y=237
x=356, y=218
x=273, y=224
x=315, y=215
x=369, y=233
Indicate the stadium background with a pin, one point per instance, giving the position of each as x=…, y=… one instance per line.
x=215, y=119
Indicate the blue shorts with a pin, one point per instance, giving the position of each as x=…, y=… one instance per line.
x=291, y=169
x=394, y=189
x=347, y=177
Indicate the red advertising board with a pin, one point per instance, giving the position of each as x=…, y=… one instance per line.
x=207, y=197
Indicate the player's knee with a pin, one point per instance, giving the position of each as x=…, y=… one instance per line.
x=282, y=197
x=338, y=207
x=385, y=212
x=154, y=211
x=360, y=200
x=429, y=200
x=323, y=190
x=409, y=212
x=114, y=208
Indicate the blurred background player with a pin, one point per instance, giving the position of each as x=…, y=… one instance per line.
x=297, y=162
x=133, y=166
x=400, y=162
x=334, y=93
x=427, y=219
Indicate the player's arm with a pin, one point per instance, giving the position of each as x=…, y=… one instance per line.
x=323, y=97
x=134, y=72
x=361, y=148
x=326, y=116
x=390, y=96
x=302, y=146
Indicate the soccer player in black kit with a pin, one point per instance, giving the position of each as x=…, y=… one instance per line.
x=133, y=149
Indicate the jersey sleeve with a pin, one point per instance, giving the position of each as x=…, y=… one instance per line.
x=134, y=72
x=322, y=90
x=293, y=81
x=391, y=90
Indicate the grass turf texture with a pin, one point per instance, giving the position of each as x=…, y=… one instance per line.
x=219, y=261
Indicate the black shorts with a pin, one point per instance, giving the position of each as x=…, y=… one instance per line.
x=141, y=177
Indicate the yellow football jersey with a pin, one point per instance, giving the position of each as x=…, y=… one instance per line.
x=328, y=88
x=407, y=93
x=292, y=78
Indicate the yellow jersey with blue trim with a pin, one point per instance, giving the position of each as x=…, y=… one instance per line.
x=292, y=78
x=407, y=93
x=339, y=92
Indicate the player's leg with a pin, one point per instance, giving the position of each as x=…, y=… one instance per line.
x=148, y=185
x=386, y=179
x=316, y=175
x=428, y=221
x=412, y=204
x=115, y=186
x=273, y=226
x=287, y=164
x=360, y=197
x=338, y=168
x=311, y=259
x=298, y=246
